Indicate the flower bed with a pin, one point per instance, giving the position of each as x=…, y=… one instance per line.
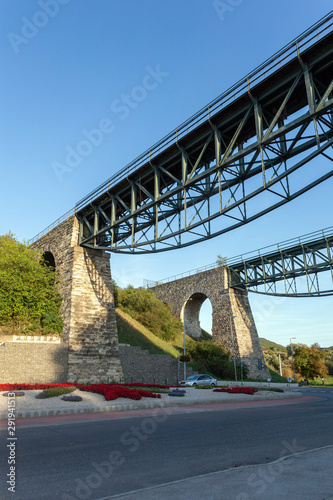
x=109, y=391
x=112, y=391
x=34, y=387
x=238, y=390
x=72, y=398
x=16, y=393
x=177, y=393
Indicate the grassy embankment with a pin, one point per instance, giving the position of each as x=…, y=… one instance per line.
x=132, y=332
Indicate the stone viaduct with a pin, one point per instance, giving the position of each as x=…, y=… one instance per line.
x=90, y=338
x=233, y=323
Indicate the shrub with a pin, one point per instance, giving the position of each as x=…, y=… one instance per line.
x=16, y=393
x=72, y=398
x=28, y=286
x=51, y=323
x=54, y=392
x=213, y=357
x=185, y=358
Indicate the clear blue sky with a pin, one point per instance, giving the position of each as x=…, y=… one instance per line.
x=66, y=66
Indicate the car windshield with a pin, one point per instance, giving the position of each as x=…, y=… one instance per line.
x=194, y=377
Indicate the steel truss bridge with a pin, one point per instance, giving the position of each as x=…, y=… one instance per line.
x=292, y=268
x=248, y=152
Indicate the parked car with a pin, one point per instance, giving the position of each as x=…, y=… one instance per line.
x=199, y=380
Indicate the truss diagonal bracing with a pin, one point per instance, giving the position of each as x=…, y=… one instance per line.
x=292, y=269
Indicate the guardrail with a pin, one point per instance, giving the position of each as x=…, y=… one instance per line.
x=261, y=252
x=280, y=58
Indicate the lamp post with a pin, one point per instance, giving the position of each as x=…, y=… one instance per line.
x=233, y=347
x=292, y=357
x=184, y=347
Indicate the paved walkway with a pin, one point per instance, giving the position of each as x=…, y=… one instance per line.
x=303, y=476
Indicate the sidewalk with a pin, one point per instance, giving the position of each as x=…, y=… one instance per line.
x=304, y=476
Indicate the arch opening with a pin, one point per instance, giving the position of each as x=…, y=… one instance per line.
x=48, y=260
x=193, y=313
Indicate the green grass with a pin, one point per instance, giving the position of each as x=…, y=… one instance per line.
x=132, y=332
x=268, y=344
x=318, y=382
x=276, y=377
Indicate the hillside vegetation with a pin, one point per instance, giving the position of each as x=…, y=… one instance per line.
x=29, y=296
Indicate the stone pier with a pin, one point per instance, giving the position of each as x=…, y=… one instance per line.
x=90, y=329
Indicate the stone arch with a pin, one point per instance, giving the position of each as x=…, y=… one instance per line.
x=49, y=259
x=190, y=313
x=232, y=319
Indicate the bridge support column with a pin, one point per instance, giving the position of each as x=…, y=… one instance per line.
x=90, y=328
x=234, y=326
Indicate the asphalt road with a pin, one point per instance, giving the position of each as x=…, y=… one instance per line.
x=95, y=460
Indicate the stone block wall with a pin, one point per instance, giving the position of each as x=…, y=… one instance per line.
x=33, y=362
x=139, y=365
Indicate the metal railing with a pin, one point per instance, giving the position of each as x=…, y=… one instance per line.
x=280, y=58
x=261, y=252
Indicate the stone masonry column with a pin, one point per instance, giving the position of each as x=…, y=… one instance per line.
x=92, y=336
x=90, y=329
x=234, y=324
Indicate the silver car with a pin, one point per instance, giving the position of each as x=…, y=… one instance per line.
x=199, y=380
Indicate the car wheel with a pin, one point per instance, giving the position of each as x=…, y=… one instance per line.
x=213, y=383
x=194, y=384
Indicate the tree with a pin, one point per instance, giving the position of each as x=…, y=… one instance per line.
x=28, y=288
x=221, y=261
x=309, y=361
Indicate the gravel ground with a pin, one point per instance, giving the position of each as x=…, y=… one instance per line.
x=28, y=405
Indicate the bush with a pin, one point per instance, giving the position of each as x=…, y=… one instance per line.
x=51, y=323
x=28, y=287
x=72, y=398
x=214, y=358
x=54, y=392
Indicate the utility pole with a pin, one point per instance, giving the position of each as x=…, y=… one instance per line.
x=280, y=366
x=292, y=357
x=233, y=347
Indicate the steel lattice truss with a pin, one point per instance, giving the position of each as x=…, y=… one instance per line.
x=296, y=268
x=250, y=151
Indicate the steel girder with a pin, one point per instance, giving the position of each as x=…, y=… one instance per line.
x=296, y=268
x=240, y=158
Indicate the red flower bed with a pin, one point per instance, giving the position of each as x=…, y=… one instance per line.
x=33, y=387
x=112, y=391
x=109, y=391
x=238, y=390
